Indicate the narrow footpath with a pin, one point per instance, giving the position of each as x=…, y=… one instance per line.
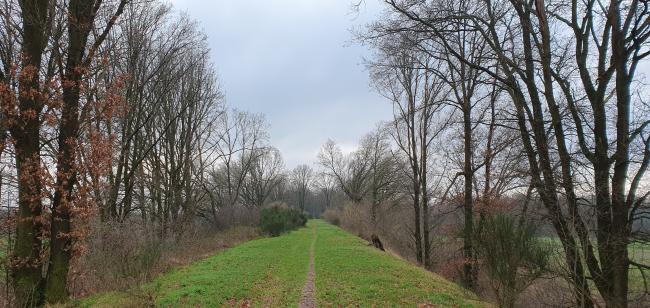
x=309, y=292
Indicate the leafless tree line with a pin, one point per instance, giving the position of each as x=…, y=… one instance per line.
x=113, y=109
x=371, y=173
x=494, y=99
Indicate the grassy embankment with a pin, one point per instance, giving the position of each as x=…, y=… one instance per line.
x=272, y=272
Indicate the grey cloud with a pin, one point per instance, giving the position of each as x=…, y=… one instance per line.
x=291, y=60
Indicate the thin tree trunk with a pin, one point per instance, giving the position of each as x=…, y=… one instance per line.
x=426, y=230
x=416, y=182
x=468, y=211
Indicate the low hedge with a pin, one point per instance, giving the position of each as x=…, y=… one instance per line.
x=279, y=219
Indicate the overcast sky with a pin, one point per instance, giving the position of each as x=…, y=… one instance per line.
x=295, y=62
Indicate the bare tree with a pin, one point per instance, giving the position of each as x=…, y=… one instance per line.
x=156, y=52
x=264, y=176
x=581, y=83
x=350, y=173
x=328, y=187
x=406, y=77
x=383, y=175
x=238, y=143
x=302, y=178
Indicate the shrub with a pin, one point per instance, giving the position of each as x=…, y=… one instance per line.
x=512, y=254
x=279, y=218
x=332, y=216
x=124, y=255
x=236, y=215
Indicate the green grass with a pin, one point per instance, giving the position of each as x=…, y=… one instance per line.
x=638, y=252
x=350, y=273
x=266, y=271
x=272, y=272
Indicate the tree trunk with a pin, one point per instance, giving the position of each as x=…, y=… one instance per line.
x=79, y=25
x=374, y=237
x=469, y=273
x=417, y=231
x=417, y=212
x=615, y=250
x=26, y=257
x=424, y=187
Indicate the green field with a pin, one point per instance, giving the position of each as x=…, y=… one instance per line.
x=272, y=272
x=638, y=252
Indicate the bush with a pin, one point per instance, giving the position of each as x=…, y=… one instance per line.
x=124, y=255
x=279, y=218
x=236, y=215
x=332, y=216
x=513, y=256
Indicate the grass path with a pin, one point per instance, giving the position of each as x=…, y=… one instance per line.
x=317, y=266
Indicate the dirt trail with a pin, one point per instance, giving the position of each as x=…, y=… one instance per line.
x=309, y=292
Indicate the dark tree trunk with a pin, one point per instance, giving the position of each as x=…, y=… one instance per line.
x=417, y=232
x=469, y=273
x=613, y=250
x=79, y=25
x=426, y=229
x=374, y=237
x=26, y=257
x=417, y=211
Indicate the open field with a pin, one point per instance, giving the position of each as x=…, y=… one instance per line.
x=273, y=271
x=638, y=252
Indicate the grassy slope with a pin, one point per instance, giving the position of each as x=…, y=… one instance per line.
x=350, y=272
x=273, y=271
